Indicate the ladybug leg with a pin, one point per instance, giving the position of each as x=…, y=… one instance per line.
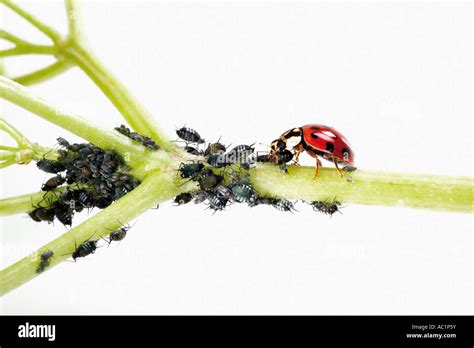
x=337, y=167
x=297, y=154
x=318, y=163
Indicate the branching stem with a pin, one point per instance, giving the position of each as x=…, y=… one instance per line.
x=45, y=29
x=156, y=188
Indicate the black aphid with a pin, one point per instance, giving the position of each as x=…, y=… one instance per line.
x=265, y=158
x=189, y=135
x=50, y=166
x=207, y=179
x=102, y=202
x=53, y=183
x=142, y=139
x=328, y=208
x=190, y=170
x=243, y=154
x=284, y=156
x=118, y=235
x=284, y=205
x=45, y=260
x=280, y=158
x=192, y=150
x=242, y=193
x=183, y=198
x=349, y=168
x=223, y=191
x=215, y=149
x=42, y=214
x=199, y=197
x=217, y=202
x=242, y=149
x=85, y=199
x=86, y=248
x=219, y=161
x=63, y=213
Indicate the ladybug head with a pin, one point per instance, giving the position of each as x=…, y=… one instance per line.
x=278, y=145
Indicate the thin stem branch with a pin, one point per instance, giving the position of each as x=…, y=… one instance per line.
x=5, y=35
x=135, y=115
x=45, y=29
x=7, y=156
x=30, y=49
x=156, y=188
x=43, y=74
x=7, y=163
x=20, y=139
x=73, y=51
x=8, y=148
x=72, y=18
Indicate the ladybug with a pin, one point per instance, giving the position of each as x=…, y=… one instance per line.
x=316, y=140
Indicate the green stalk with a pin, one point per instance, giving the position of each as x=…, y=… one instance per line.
x=136, y=155
x=45, y=29
x=156, y=188
x=43, y=74
x=134, y=113
x=24, y=50
x=421, y=191
x=71, y=51
x=28, y=202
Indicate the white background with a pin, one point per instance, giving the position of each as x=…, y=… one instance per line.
x=394, y=78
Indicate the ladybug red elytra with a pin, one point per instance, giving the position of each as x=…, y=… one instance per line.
x=316, y=140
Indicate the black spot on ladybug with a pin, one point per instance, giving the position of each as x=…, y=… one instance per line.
x=314, y=136
x=315, y=128
x=329, y=147
x=345, y=152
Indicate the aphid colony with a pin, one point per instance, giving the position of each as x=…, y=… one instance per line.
x=223, y=177
x=101, y=174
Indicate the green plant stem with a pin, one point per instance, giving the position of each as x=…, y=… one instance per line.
x=72, y=51
x=136, y=155
x=7, y=163
x=43, y=74
x=8, y=148
x=5, y=35
x=7, y=156
x=135, y=115
x=20, y=139
x=32, y=49
x=156, y=188
x=45, y=29
x=421, y=191
x=72, y=18
x=28, y=202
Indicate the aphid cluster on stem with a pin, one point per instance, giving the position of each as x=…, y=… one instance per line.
x=97, y=177
x=142, y=139
x=223, y=175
